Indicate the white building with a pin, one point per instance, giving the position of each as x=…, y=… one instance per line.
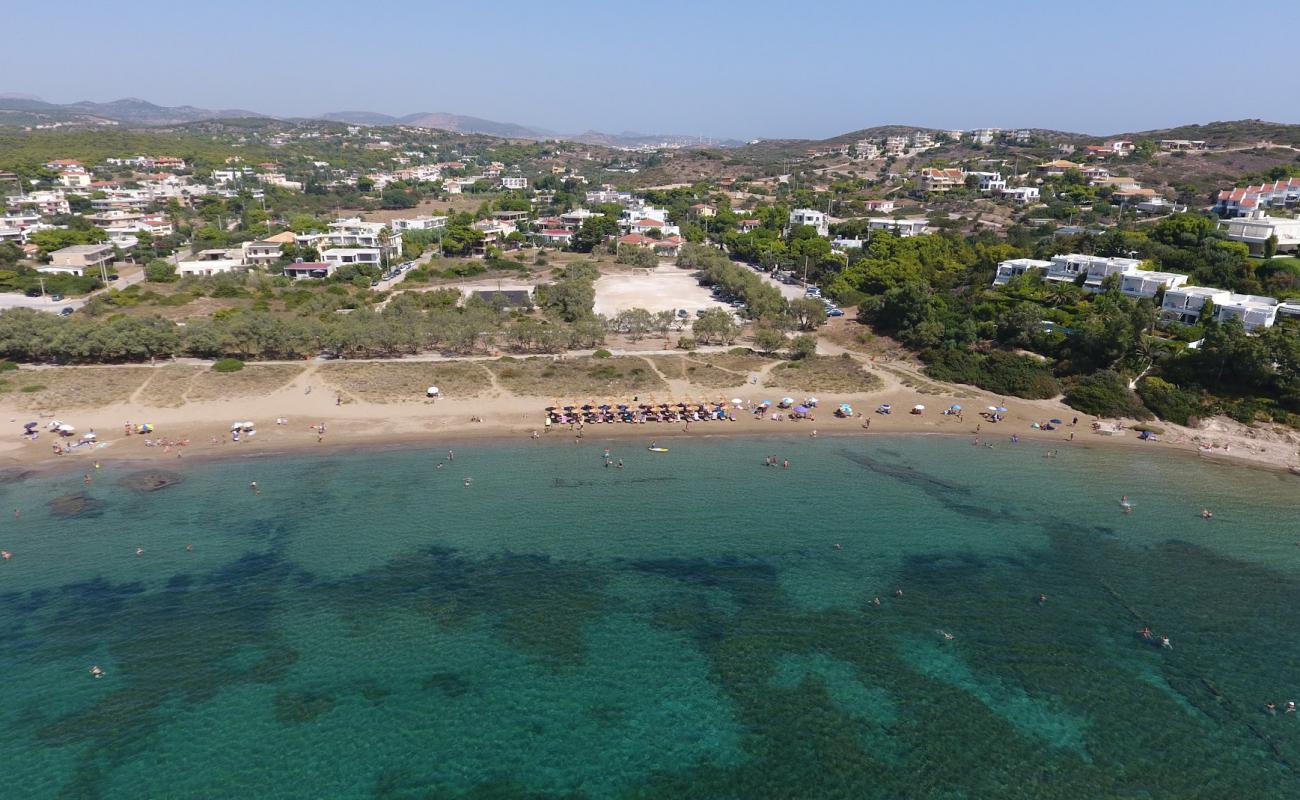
x=514, y=182
x=352, y=232
x=212, y=262
x=1254, y=311
x=1255, y=229
x=351, y=255
x=1024, y=195
x=1068, y=267
x=1183, y=303
x=1015, y=267
x=79, y=258
x=895, y=145
x=812, y=218
x=1140, y=284
x=898, y=227
x=984, y=135
x=990, y=181
x=421, y=223
x=302, y=270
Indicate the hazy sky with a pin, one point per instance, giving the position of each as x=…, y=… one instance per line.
x=744, y=69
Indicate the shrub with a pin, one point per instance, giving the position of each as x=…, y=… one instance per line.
x=741, y=351
x=228, y=365
x=999, y=371
x=7, y=366
x=1105, y=394
x=1170, y=402
x=602, y=353
x=686, y=343
x=803, y=346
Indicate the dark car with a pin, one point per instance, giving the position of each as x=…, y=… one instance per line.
x=66, y=312
x=56, y=297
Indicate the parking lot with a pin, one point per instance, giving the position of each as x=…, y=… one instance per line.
x=661, y=289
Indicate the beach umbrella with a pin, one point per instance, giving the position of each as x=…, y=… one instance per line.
x=1055, y=421
x=955, y=407
x=787, y=400
x=432, y=391
x=766, y=403
x=801, y=409
x=90, y=436
x=66, y=429
x=812, y=401
x=31, y=425
x=993, y=408
x=918, y=407
x=1000, y=409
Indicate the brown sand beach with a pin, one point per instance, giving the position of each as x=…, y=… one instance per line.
x=191, y=408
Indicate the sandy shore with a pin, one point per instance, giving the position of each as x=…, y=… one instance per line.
x=307, y=401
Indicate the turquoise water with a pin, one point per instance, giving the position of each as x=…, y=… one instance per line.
x=368, y=626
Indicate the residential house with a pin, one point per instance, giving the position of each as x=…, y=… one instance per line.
x=812, y=218
x=556, y=237
x=867, y=149
x=606, y=195
x=514, y=182
x=840, y=244
x=1182, y=144
x=574, y=219
x=1015, y=267
x=937, y=179
x=702, y=210
x=747, y=225
x=1256, y=229
x=78, y=259
x=1115, y=182
x=1242, y=200
x=65, y=165
x=1119, y=146
x=213, y=261
x=515, y=218
x=991, y=182
x=1068, y=267
x=668, y=246
x=1024, y=195
x=984, y=135
x=1144, y=283
x=1184, y=303
x=1057, y=168
x=1255, y=312
x=899, y=227
x=895, y=145
x=338, y=256
x=352, y=232
x=303, y=270
x=424, y=222
x=922, y=140
x=74, y=180
x=880, y=206
x=261, y=254
x=48, y=203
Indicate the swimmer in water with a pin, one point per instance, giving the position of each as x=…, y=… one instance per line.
x=898, y=593
x=6, y=555
x=839, y=546
x=1042, y=598
x=875, y=601
x=96, y=672
x=1206, y=514
x=253, y=485
x=139, y=551
x=947, y=637
x=468, y=481
x=620, y=463
x=189, y=548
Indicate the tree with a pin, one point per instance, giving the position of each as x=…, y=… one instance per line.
x=808, y=312
x=715, y=325
x=160, y=271
x=1270, y=246
x=594, y=231
x=803, y=346
x=769, y=340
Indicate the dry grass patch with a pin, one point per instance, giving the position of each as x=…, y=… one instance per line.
x=168, y=385
x=723, y=370
x=824, y=374
x=401, y=382
x=579, y=378
x=251, y=381
x=75, y=387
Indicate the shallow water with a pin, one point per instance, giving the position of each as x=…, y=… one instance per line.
x=368, y=626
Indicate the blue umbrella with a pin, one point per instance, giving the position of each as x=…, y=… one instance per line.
x=955, y=407
x=801, y=409
x=1000, y=409
x=1055, y=421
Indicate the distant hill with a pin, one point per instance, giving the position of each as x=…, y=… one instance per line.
x=18, y=109
x=1227, y=134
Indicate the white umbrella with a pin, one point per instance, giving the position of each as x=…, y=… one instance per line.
x=736, y=401
x=66, y=428
x=88, y=436
x=993, y=408
x=432, y=391
x=918, y=408
x=234, y=426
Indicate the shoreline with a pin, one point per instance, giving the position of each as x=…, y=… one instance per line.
x=413, y=423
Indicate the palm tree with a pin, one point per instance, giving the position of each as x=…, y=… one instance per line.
x=1060, y=294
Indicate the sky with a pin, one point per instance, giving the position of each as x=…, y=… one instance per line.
x=753, y=69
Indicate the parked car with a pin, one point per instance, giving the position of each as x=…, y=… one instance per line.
x=56, y=297
x=834, y=312
x=66, y=312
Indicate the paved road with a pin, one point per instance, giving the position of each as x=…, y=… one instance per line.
x=127, y=276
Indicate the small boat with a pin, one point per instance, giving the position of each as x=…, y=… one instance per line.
x=1294, y=470
x=657, y=449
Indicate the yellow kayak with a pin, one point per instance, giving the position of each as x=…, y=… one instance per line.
x=657, y=449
